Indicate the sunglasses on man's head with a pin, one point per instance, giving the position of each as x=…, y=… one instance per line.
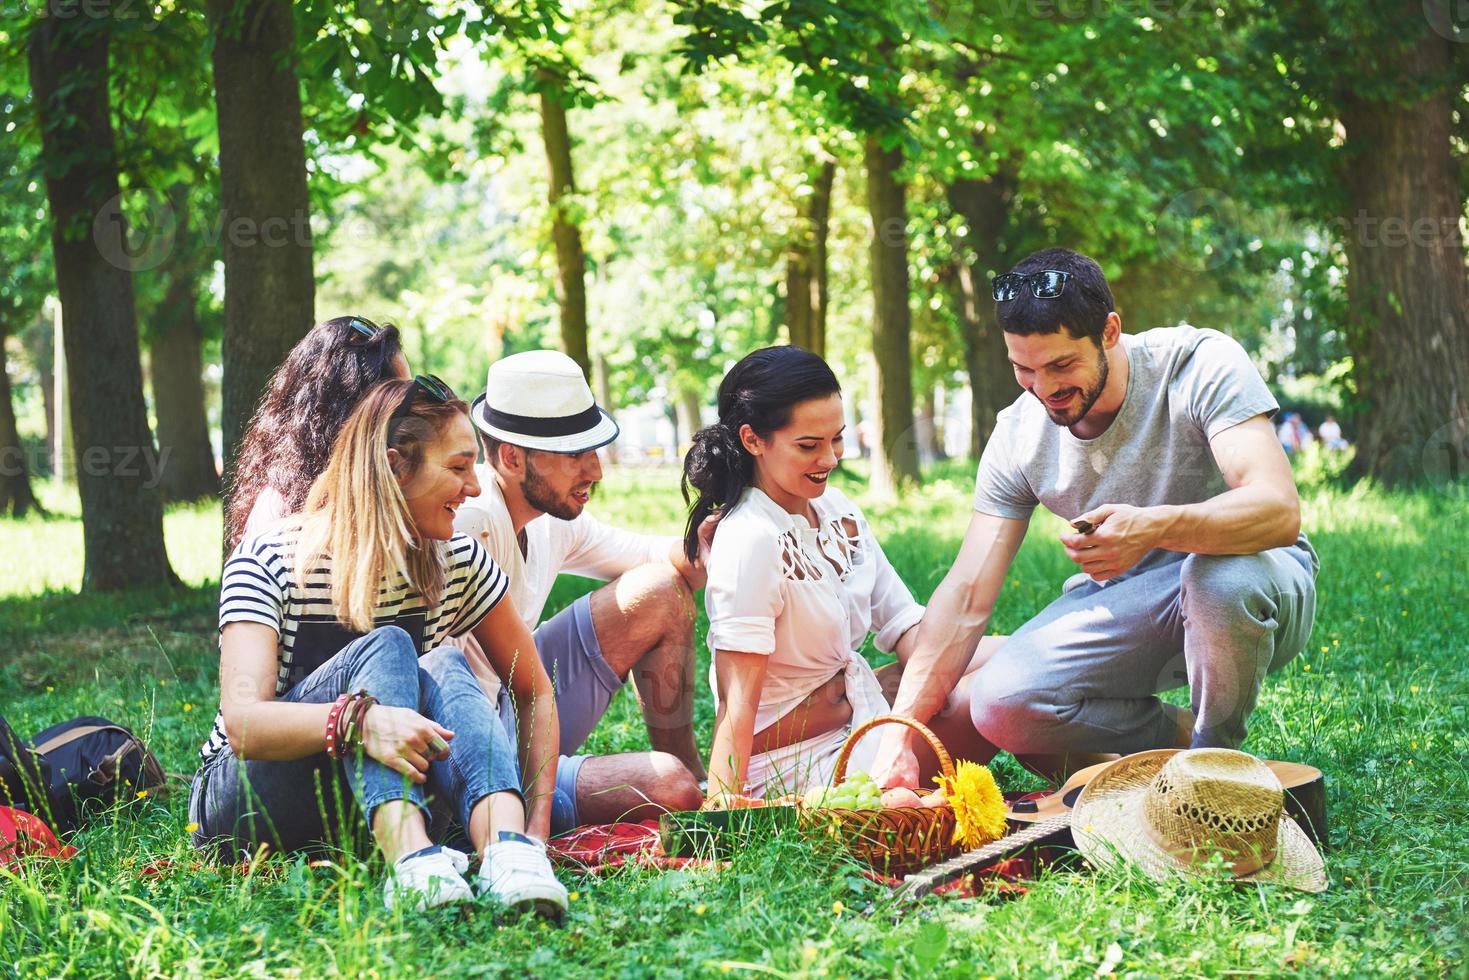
x=1046, y=284
x=432, y=388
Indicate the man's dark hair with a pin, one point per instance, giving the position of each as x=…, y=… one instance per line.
x=1082, y=307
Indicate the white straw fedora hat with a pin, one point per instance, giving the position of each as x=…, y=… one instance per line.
x=541, y=400
x=1171, y=810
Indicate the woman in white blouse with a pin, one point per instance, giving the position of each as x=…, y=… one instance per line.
x=796, y=580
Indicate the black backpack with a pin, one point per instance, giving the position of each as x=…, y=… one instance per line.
x=84, y=764
x=25, y=778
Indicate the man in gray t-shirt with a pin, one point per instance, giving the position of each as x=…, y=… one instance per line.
x=1158, y=449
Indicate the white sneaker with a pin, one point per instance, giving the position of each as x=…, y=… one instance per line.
x=427, y=879
x=517, y=874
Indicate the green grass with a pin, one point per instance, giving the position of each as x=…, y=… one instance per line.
x=1378, y=702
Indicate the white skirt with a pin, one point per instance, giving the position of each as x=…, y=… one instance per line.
x=797, y=767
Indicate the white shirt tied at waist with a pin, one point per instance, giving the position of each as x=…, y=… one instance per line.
x=808, y=597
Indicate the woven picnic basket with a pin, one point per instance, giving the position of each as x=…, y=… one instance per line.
x=895, y=840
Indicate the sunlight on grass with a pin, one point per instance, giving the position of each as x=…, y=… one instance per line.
x=1377, y=701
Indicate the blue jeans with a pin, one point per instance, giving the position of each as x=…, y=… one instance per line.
x=241, y=804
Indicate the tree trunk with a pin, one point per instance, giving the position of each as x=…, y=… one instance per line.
x=983, y=205
x=895, y=455
x=122, y=510
x=687, y=416
x=604, y=398
x=39, y=341
x=571, y=260
x=806, y=272
x=16, y=495
x=1407, y=286
x=269, y=291
x=928, y=428
x=178, y=382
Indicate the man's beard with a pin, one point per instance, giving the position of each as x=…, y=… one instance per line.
x=538, y=494
x=1088, y=397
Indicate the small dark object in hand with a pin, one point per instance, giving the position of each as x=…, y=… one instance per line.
x=1083, y=526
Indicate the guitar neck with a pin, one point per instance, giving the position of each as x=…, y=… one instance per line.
x=917, y=885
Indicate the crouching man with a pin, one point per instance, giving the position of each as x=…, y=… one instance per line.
x=1157, y=448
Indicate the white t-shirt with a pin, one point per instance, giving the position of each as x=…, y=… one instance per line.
x=1184, y=386
x=583, y=546
x=807, y=596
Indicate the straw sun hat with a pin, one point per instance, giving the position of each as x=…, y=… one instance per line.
x=1172, y=810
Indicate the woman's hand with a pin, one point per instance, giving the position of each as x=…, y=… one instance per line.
x=731, y=801
x=404, y=740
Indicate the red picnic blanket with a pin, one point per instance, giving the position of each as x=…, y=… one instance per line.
x=24, y=835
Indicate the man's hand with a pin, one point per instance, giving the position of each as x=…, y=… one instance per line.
x=1123, y=535
x=895, y=764
x=696, y=573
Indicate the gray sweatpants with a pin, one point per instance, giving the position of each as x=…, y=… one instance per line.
x=1083, y=675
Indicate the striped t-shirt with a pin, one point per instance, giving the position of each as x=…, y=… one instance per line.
x=259, y=586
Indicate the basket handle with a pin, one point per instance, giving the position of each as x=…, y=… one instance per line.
x=946, y=764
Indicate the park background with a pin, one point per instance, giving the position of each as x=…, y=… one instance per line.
x=186, y=186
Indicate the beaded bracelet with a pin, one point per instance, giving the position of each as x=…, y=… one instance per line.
x=332, y=718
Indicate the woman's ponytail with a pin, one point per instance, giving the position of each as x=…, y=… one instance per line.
x=718, y=468
x=760, y=391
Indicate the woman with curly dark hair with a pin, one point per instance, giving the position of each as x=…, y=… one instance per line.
x=304, y=406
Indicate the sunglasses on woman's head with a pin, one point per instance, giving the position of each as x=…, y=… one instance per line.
x=1046, y=284
x=362, y=328
x=432, y=387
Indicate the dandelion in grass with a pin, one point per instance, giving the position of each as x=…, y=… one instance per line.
x=142, y=793
x=191, y=826
x=979, y=809
x=837, y=908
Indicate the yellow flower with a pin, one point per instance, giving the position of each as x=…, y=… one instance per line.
x=1305, y=666
x=191, y=826
x=1414, y=688
x=837, y=908
x=49, y=688
x=142, y=793
x=573, y=896
x=979, y=809
x=188, y=706
x=700, y=909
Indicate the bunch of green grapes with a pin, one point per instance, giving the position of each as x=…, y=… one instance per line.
x=857, y=792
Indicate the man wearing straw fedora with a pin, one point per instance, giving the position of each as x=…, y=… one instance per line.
x=1157, y=450
x=541, y=429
